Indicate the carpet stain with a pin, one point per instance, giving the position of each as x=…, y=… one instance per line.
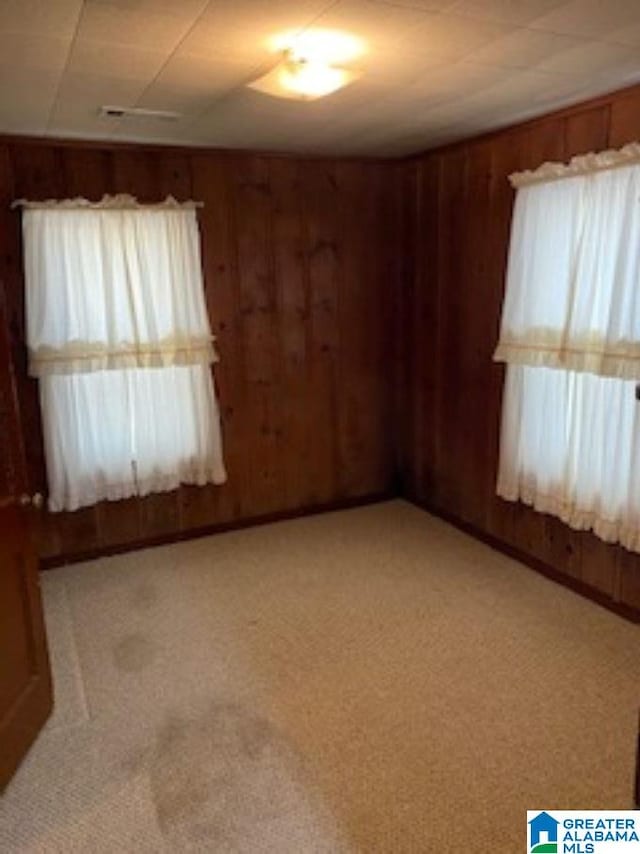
x=134, y=653
x=213, y=777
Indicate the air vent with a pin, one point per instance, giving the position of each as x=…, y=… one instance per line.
x=138, y=113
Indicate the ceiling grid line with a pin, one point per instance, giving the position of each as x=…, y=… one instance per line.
x=72, y=42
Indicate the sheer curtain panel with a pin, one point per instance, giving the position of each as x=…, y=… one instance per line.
x=119, y=338
x=572, y=298
x=570, y=446
x=570, y=336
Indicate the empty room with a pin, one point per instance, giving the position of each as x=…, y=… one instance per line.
x=319, y=426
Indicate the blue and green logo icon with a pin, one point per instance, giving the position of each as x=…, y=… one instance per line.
x=543, y=834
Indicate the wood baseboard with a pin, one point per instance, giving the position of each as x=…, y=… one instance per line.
x=216, y=528
x=620, y=608
x=628, y=612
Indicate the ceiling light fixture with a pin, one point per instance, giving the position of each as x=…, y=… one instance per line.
x=310, y=67
x=303, y=79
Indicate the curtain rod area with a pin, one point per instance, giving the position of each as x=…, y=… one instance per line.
x=119, y=202
x=582, y=164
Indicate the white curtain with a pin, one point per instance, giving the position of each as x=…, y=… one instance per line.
x=119, y=337
x=570, y=446
x=572, y=297
x=570, y=336
x=112, y=287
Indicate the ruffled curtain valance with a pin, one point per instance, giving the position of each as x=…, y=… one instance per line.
x=572, y=298
x=582, y=164
x=120, y=201
x=113, y=284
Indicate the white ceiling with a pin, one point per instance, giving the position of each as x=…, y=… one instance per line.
x=434, y=70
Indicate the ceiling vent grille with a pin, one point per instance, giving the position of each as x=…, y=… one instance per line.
x=112, y=112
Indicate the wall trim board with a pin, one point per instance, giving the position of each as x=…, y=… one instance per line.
x=217, y=528
x=621, y=609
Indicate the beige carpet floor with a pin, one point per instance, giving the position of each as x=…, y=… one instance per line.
x=364, y=681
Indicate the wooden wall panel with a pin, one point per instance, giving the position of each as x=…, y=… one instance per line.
x=320, y=192
x=199, y=505
x=454, y=297
x=259, y=337
x=624, y=121
x=295, y=255
x=290, y=269
x=362, y=315
x=402, y=329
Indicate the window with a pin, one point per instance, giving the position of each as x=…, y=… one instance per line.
x=120, y=341
x=570, y=336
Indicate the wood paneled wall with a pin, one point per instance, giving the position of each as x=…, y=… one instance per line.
x=356, y=306
x=299, y=267
x=460, y=204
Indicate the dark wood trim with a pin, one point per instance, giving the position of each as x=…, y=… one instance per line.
x=620, y=608
x=23, y=722
x=519, y=126
x=220, y=528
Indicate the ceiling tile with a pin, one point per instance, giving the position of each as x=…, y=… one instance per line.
x=105, y=58
x=43, y=17
x=225, y=43
x=450, y=83
x=157, y=130
x=246, y=26
x=380, y=25
x=629, y=35
x=188, y=102
x=188, y=84
x=424, y=5
x=26, y=115
x=151, y=26
x=81, y=95
x=452, y=37
x=507, y=11
x=31, y=50
x=280, y=121
x=519, y=95
x=267, y=14
x=151, y=6
x=202, y=72
x=593, y=58
x=86, y=88
x=396, y=70
x=525, y=48
x=596, y=19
